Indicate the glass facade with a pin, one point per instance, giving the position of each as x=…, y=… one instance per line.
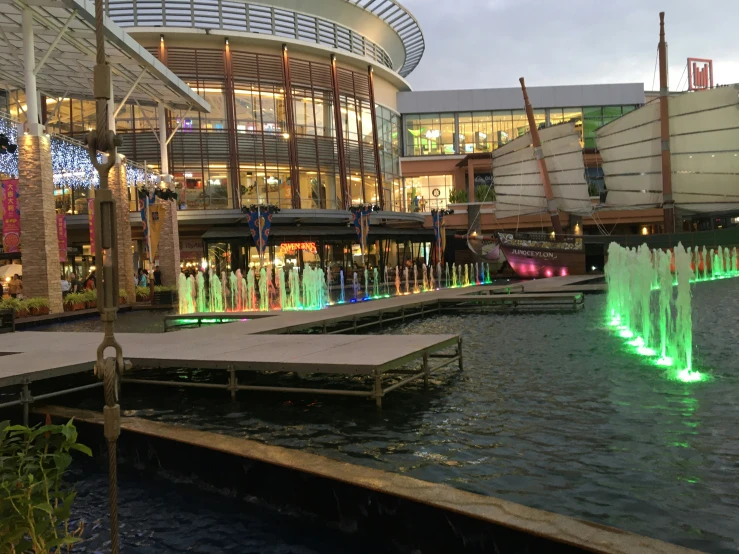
x=265, y=141
x=428, y=192
x=474, y=132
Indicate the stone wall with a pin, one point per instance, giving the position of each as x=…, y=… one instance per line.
x=39, y=242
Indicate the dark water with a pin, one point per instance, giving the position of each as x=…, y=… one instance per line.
x=551, y=411
x=139, y=321
x=158, y=516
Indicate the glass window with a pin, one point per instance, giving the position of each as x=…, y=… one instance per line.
x=574, y=115
x=502, y=128
x=592, y=120
x=428, y=192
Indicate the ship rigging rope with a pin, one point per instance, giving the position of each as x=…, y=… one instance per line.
x=681, y=78
x=654, y=75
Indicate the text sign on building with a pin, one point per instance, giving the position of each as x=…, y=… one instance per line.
x=292, y=247
x=700, y=74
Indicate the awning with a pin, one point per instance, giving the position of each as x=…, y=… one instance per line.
x=304, y=233
x=64, y=39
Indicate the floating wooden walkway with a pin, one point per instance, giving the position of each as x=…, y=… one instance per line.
x=257, y=345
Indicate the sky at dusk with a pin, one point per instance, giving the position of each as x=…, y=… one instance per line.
x=491, y=43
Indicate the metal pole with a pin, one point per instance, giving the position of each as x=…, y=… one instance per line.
x=668, y=205
x=103, y=139
x=29, y=63
x=164, y=170
x=551, y=202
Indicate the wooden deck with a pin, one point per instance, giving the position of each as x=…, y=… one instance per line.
x=257, y=344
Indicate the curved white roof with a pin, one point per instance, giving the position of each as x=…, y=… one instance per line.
x=381, y=30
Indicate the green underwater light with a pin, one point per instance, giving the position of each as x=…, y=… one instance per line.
x=690, y=376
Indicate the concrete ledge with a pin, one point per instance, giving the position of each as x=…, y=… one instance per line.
x=438, y=517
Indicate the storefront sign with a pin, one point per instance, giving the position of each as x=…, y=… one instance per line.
x=61, y=233
x=191, y=250
x=91, y=223
x=289, y=248
x=11, y=216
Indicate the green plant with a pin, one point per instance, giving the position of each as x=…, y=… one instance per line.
x=123, y=294
x=88, y=296
x=74, y=298
x=35, y=502
x=484, y=193
x=11, y=304
x=457, y=196
x=143, y=291
x=164, y=288
x=37, y=302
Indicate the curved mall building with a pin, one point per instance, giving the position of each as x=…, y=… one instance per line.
x=303, y=117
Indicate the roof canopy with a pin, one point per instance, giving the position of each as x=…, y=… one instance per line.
x=64, y=39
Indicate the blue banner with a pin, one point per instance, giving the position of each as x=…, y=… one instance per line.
x=260, y=222
x=361, y=220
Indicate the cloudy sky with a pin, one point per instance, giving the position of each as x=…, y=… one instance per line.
x=491, y=43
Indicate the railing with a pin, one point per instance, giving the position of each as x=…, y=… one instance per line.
x=245, y=17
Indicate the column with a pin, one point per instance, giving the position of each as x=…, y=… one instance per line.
x=119, y=186
x=169, y=236
x=470, y=181
x=39, y=242
x=169, y=245
x=39, y=246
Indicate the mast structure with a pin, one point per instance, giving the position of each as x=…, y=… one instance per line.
x=552, y=207
x=668, y=205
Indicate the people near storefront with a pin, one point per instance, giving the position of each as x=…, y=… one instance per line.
x=65, y=286
x=74, y=283
x=157, y=277
x=91, y=281
x=15, y=288
x=142, y=278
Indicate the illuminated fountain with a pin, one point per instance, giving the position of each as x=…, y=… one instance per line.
x=263, y=290
x=661, y=327
x=355, y=285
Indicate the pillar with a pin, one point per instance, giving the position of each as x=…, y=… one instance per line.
x=39, y=246
x=470, y=181
x=169, y=236
x=169, y=245
x=119, y=186
x=39, y=242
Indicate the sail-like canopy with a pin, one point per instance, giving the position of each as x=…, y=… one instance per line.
x=704, y=144
x=518, y=185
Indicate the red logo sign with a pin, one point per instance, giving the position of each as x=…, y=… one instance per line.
x=700, y=74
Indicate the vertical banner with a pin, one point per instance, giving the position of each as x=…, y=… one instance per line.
x=144, y=211
x=260, y=223
x=157, y=213
x=11, y=216
x=361, y=218
x=91, y=223
x=61, y=233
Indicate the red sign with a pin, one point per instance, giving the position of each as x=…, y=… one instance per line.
x=91, y=223
x=11, y=216
x=61, y=233
x=700, y=74
x=293, y=247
